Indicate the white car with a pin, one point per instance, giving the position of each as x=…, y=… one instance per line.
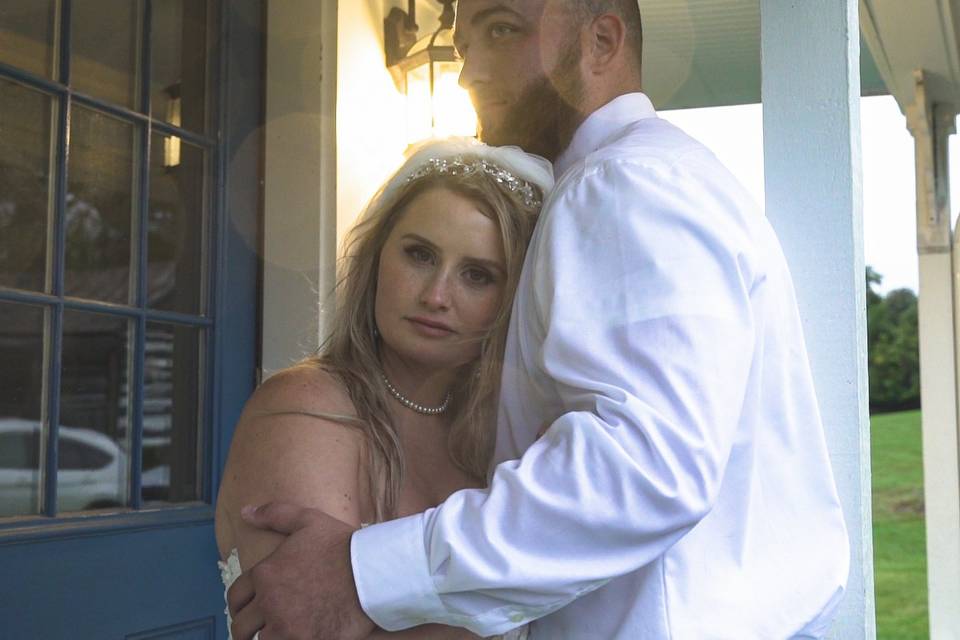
x=92, y=469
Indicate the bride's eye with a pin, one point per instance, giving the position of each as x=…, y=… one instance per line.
x=420, y=255
x=477, y=276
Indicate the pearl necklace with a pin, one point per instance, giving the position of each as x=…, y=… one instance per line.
x=410, y=404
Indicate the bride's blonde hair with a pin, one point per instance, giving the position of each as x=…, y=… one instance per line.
x=509, y=190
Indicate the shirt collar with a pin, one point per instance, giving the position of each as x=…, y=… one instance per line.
x=601, y=125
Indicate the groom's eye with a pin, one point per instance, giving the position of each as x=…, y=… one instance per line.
x=500, y=29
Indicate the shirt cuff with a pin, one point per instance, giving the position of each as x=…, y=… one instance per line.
x=392, y=574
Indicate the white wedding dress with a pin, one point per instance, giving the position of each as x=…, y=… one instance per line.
x=230, y=570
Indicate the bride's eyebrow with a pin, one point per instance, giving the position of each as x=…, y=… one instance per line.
x=419, y=238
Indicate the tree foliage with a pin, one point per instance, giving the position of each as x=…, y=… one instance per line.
x=893, y=347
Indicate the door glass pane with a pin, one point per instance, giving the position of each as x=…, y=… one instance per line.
x=21, y=403
x=94, y=392
x=177, y=226
x=25, y=130
x=104, y=52
x=171, y=408
x=100, y=204
x=28, y=34
x=178, y=76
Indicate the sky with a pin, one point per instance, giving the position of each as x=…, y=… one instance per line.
x=735, y=134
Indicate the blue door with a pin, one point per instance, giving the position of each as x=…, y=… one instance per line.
x=129, y=208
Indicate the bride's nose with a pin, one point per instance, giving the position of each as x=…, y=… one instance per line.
x=436, y=291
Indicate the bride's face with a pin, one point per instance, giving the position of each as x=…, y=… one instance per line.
x=441, y=280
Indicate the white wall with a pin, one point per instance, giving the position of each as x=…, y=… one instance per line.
x=370, y=119
x=298, y=177
x=334, y=132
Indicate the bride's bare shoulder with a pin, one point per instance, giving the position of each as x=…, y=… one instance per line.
x=305, y=387
x=297, y=441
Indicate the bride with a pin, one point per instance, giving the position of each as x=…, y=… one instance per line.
x=398, y=410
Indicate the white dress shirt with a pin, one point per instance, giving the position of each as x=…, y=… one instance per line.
x=683, y=488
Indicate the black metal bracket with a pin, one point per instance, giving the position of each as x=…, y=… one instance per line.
x=399, y=33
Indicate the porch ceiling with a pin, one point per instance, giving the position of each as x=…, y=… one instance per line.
x=701, y=53
x=916, y=34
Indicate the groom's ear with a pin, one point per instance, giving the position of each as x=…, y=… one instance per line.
x=606, y=43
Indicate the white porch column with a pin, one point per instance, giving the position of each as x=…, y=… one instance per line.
x=299, y=245
x=931, y=126
x=811, y=122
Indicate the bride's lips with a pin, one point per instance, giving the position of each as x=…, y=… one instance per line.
x=430, y=328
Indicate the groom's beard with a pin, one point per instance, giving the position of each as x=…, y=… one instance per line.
x=546, y=115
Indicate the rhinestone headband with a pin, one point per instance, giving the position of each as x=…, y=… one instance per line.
x=461, y=166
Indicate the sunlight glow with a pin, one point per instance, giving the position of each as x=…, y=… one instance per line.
x=449, y=113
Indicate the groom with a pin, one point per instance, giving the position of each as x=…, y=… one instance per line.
x=682, y=489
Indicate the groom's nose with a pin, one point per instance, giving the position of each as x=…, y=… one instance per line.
x=476, y=69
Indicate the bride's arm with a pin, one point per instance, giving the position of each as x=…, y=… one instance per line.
x=282, y=451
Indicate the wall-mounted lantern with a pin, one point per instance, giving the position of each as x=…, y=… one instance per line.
x=171, y=144
x=426, y=72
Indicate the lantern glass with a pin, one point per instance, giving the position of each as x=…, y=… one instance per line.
x=436, y=105
x=453, y=113
x=418, y=104
x=171, y=144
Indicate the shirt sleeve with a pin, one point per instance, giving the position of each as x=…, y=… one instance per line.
x=642, y=311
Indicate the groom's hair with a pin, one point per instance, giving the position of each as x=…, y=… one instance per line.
x=627, y=10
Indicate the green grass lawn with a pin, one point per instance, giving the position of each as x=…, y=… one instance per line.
x=900, y=561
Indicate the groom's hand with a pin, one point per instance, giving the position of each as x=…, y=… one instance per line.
x=304, y=590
